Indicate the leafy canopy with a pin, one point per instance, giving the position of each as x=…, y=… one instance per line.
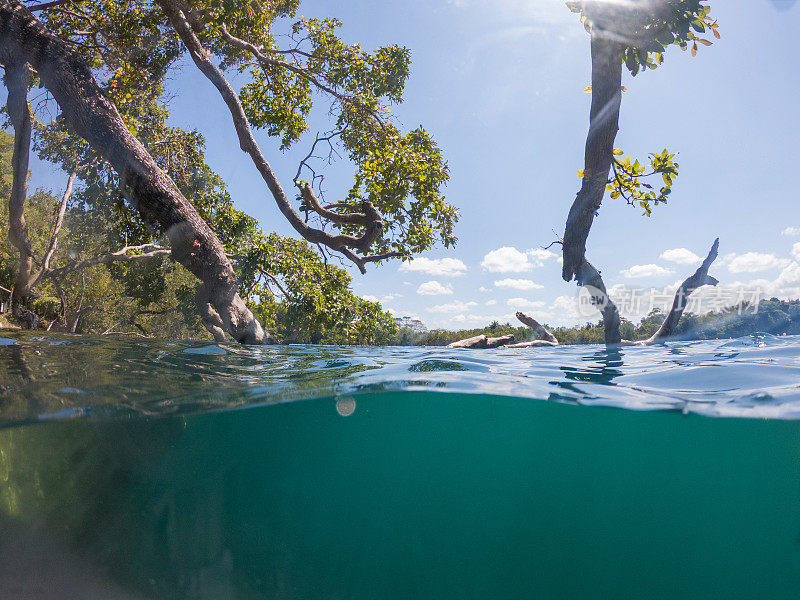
x=647, y=28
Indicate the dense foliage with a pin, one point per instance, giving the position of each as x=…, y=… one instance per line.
x=287, y=284
x=132, y=49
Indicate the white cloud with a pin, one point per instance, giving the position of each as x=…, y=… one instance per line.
x=484, y=289
x=651, y=270
x=386, y=298
x=566, y=307
x=540, y=255
x=796, y=251
x=510, y=260
x=440, y=267
x=755, y=261
x=453, y=307
x=518, y=284
x=682, y=256
x=791, y=231
x=434, y=288
x=506, y=260
x=491, y=302
x=472, y=319
x=520, y=303
x=788, y=282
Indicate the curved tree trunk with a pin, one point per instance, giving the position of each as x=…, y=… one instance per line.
x=16, y=79
x=697, y=280
x=607, y=55
x=23, y=38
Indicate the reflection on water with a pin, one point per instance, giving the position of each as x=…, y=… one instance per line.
x=61, y=376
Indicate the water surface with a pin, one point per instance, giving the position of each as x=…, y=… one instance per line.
x=60, y=376
x=156, y=470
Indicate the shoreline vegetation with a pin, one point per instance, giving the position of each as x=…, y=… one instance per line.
x=773, y=316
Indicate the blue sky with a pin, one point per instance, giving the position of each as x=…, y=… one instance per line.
x=499, y=83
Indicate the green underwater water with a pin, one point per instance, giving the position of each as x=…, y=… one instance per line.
x=149, y=470
x=402, y=495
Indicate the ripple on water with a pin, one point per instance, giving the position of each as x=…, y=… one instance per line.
x=63, y=376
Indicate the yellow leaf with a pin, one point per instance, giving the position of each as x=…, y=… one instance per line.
x=588, y=89
x=623, y=88
x=580, y=173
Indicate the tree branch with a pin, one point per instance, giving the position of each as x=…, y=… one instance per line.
x=266, y=60
x=46, y=5
x=699, y=279
x=62, y=209
x=121, y=255
x=176, y=11
x=590, y=278
x=16, y=78
x=599, y=153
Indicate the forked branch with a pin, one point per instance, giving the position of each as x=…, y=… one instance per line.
x=177, y=11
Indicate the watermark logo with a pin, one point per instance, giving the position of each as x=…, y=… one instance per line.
x=633, y=302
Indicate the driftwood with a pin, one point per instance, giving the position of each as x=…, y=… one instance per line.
x=484, y=341
x=698, y=280
x=590, y=277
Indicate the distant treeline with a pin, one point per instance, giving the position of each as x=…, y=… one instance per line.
x=771, y=316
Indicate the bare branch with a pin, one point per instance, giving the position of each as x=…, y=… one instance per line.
x=537, y=328
x=62, y=209
x=277, y=283
x=590, y=278
x=121, y=255
x=699, y=279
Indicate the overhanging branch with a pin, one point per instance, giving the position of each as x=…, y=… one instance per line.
x=146, y=251
x=176, y=11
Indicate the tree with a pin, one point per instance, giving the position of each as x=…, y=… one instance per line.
x=634, y=34
x=104, y=64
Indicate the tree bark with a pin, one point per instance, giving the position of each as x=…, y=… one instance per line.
x=16, y=79
x=543, y=333
x=484, y=341
x=603, y=125
x=590, y=278
x=697, y=280
x=94, y=117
